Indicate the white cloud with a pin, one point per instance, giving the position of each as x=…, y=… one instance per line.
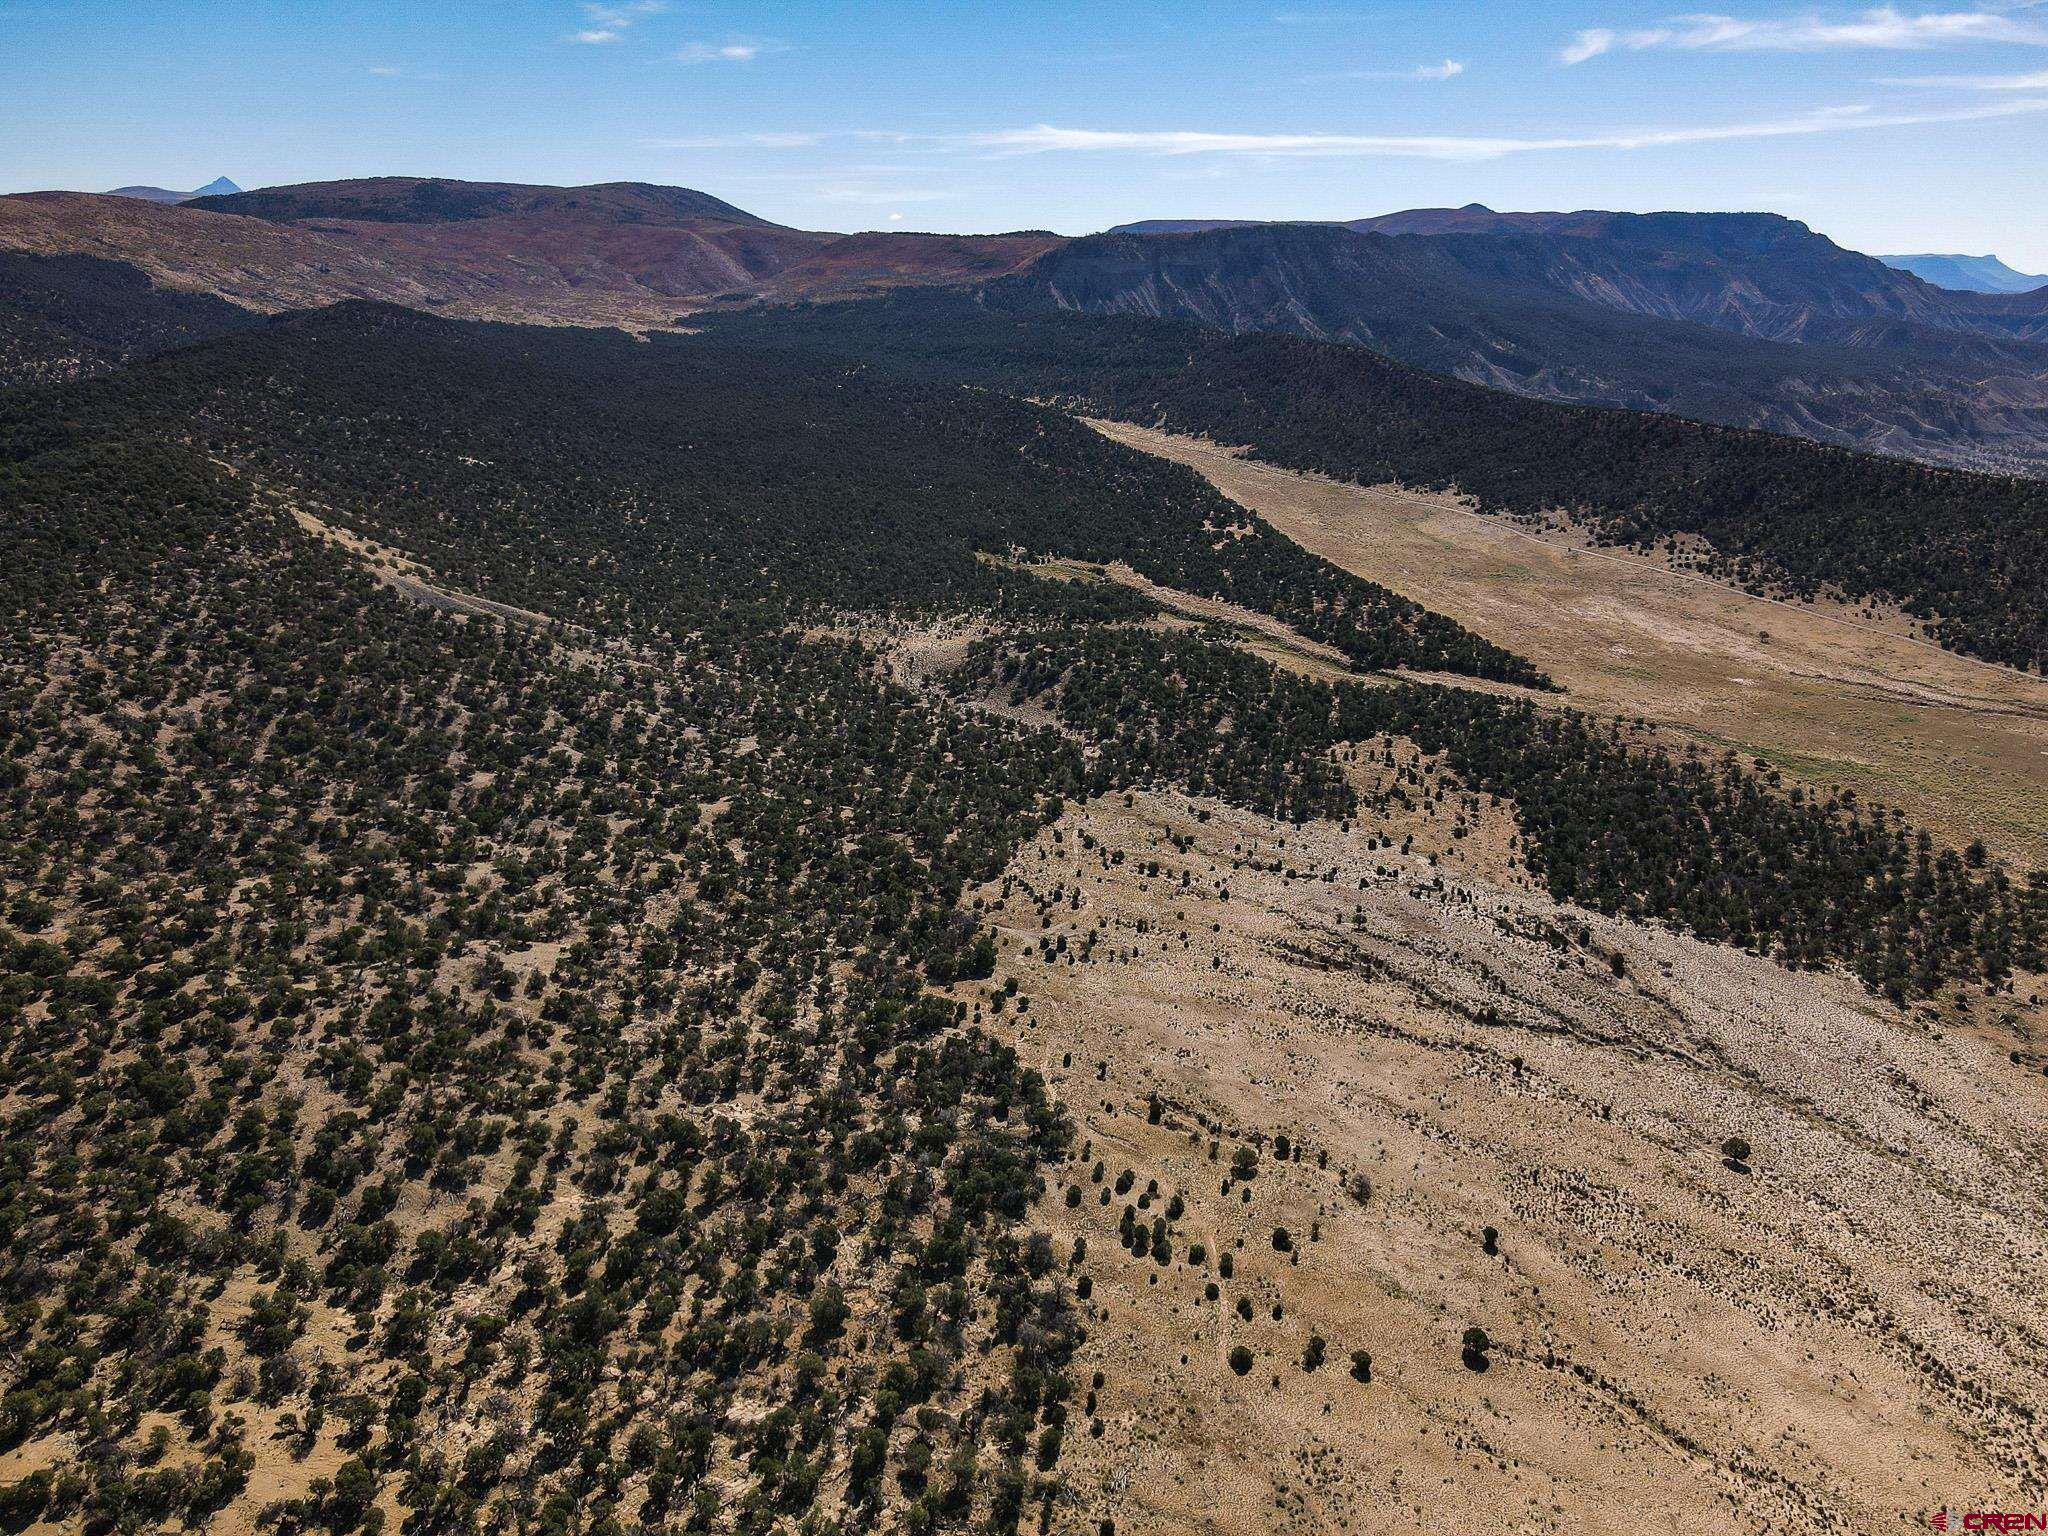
x=2038, y=81
x=1199, y=148
x=609, y=23
x=1885, y=27
x=1044, y=138
x=1589, y=44
x=723, y=53
x=624, y=15
x=739, y=141
x=1444, y=71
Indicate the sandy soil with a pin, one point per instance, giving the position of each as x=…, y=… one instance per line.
x=1824, y=692
x=1260, y=633
x=1845, y=1337
x=408, y=577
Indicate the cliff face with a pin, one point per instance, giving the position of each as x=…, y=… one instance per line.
x=1746, y=319
x=1968, y=274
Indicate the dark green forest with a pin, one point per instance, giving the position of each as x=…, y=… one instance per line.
x=69, y=316
x=549, y=1067
x=1702, y=842
x=629, y=483
x=1967, y=554
x=349, y=944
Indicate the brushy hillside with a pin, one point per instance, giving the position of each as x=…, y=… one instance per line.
x=1962, y=552
x=64, y=317
x=536, y=1070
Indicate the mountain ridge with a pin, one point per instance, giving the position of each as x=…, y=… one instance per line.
x=1742, y=318
x=625, y=253
x=219, y=186
x=1745, y=320
x=441, y=200
x=1967, y=274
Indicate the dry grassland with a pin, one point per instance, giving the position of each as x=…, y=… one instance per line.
x=1823, y=692
x=1842, y=1339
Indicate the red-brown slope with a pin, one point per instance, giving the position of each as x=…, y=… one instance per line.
x=436, y=200
x=262, y=266
x=562, y=266
x=852, y=264
x=612, y=255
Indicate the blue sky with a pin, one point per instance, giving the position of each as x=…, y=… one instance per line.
x=1916, y=127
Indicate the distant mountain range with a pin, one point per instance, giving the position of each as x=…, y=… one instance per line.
x=1747, y=319
x=617, y=254
x=416, y=200
x=1967, y=274
x=220, y=186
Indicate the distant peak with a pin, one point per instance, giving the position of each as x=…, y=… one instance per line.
x=1968, y=274
x=219, y=187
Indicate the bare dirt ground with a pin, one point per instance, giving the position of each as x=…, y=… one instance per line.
x=1845, y=1337
x=408, y=577
x=1259, y=633
x=1826, y=692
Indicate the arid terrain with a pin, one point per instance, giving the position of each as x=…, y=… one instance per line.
x=1841, y=1334
x=1826, y=693
x=543, y=266
x=1844, y=1335
x=730, y=923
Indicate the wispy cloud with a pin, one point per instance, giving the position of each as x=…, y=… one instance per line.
x=1443, y=71
x=1590, y=43
x=739, y=141
x=737, y=51
x=608, y=23
x=2038, y=81
x=1045, y=138
x=1885, y=27
x=1201, y=145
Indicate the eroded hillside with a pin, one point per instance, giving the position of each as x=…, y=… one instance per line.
x=1344, y=1093
x=572, y=910
x=627, y=256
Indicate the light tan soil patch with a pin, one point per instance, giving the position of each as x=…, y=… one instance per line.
x=411, y=580
x=1845, y=1338
x=1260, y=633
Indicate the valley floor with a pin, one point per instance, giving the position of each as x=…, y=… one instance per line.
x=1819, y=691
x=1844, y=1336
